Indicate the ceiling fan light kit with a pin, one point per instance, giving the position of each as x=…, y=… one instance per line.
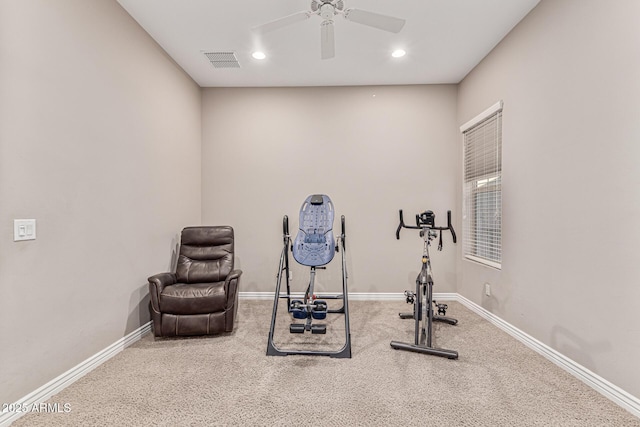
x=327, y=9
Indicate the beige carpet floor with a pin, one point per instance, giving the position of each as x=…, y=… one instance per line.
x=228, y=380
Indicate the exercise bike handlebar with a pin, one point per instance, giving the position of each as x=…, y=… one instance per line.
x=420, y=226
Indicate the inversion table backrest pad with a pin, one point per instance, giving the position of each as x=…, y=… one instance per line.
x=314, y=244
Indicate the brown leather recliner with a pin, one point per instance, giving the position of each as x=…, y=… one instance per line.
x=201, y=298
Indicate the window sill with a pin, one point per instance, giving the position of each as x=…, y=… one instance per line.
x=484, y=262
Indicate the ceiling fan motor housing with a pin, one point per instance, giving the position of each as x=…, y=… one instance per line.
x=327, y=11
x=326, y=8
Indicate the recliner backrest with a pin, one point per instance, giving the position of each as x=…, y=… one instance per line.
x=206, y=254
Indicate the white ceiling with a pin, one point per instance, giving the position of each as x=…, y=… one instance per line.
x=444, y=40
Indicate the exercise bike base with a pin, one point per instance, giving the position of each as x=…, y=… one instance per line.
x=444, y=319
x=449, y=354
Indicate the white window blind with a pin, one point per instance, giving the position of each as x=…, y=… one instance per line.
x=482, y=193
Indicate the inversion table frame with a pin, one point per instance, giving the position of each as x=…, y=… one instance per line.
x=283, y=269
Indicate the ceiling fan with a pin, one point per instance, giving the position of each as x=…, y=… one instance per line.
x=327, y=9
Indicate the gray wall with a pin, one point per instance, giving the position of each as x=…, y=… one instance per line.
x=569, y=78
x=373, y=150
x=100, y=143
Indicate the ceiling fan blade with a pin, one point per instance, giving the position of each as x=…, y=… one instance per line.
x=282, y=22
x=327, y=42
x=382, y=22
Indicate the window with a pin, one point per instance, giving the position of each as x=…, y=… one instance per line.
x=482, y=192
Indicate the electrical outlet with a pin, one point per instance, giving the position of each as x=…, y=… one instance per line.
x=487, y=289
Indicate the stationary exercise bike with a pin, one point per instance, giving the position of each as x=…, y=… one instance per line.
x=422, y=299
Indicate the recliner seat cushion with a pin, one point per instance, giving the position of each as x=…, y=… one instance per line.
x=193, y=298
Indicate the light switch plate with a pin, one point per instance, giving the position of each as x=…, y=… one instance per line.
x=24, y=229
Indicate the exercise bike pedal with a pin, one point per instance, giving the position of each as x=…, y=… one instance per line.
x=442, y=308
x=296, y=328
x=318, y=329
x=410, y=297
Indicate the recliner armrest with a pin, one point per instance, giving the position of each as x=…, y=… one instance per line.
x=163, y=279
x=231, y=286
x=157, y=283
x=233, y=275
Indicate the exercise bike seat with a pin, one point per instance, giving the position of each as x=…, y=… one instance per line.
x=314, y=244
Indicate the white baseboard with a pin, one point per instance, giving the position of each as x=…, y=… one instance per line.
x=604, y=387
x=66, y=379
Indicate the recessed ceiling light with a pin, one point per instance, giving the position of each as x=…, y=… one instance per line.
x=258, y=55
x=398, y=53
